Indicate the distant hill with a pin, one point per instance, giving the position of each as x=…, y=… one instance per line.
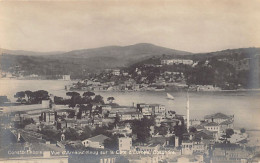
x=140, y=50
x=28, y=53
x=230, y=53
x=78, y=62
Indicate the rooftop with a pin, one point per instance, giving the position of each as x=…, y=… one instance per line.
x=212, y=124
x=217, y=116
x=99, y=138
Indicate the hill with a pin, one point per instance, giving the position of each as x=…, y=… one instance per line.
x=28, y=53
x=140, y=50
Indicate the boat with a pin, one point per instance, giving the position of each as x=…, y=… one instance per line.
x=169, y=96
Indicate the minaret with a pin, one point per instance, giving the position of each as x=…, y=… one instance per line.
x=188, y=112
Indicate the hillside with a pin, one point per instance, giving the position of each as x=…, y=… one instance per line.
x=77, y=61
x=28, y=53
x=80, y=62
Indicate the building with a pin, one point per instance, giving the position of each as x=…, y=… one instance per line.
x=95, y=142
x=151, y=109
x=66, y=77
x=116, y=72
x=218, y=118
x=124, y=143
x=48, y=116
x=213, y=127
x=133, y=115
x=187, y=147
x=176, y=61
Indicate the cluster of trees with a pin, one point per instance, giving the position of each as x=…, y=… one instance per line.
x=228, y=133
x=76, y=99
x=23, y=123
x=141, y=128
x=29, y=97
x=212, y=72
x=84, y=102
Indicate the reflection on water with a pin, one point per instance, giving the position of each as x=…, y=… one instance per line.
x=244, y=105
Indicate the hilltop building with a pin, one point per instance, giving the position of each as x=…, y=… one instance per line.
x=176, y=61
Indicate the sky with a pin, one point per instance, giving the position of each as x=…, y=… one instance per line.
x=188, y=25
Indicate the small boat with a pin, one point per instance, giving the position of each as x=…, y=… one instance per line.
x=169, y=96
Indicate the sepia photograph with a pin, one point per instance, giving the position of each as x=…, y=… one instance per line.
x=129, y=81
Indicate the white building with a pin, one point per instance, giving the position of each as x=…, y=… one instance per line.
x=66, y=77
x=95, y=142
x=125, y=143
x=176, y=61
x=116, y=72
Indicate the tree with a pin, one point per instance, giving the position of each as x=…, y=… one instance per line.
x=29, y=95
x=19, y=95
x=98, y=99
x=242, y=130
x=71, y=134
x=75, y=98
x=87, y=133
x=71, y=94
x=110, y=99
x=193, y=129
x=88, y=94
x=142, y=129
x=40, y=95
x=162, y=130
x=229, y=132
x=112, y=142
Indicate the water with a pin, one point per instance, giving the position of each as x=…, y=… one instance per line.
x=244, y=105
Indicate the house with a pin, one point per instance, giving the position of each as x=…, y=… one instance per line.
x=116, y=72
x=187, y=147
x=48, y=116
x=124, y=143
x=226, y=124
x=133, y=115
x=151, y=109
x=95, y=142
x=218, y=118
x=125, y=130
x=213, y=127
